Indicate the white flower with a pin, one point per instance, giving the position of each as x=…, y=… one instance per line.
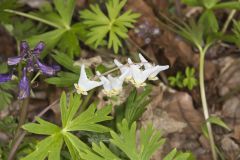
x=126, y=69
x=123, y=69
x=84, y=84
x=139, y=75
x=112, y=85
x=148, y=65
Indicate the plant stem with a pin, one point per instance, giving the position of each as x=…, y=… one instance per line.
x=33, y=17
x=35, y=77
x=204, y=102
x=22, y=118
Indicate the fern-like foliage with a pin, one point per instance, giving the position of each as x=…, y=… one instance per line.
x=113, y=25
x=126, y=141
x=88, y=120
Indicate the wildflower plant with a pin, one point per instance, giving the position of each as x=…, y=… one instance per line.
x=89, y=120
x=188, y=80
x=30, y=60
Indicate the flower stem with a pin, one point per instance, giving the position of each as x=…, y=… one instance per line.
x=204, y=102
x=22, y=118
x=35, y=77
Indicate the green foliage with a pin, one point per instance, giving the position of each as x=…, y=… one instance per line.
x=10, y=4
x=134, y=106
x=64, y=78
x=175, y=155
x=5, y=88
x=188, y=80
x=8, y=125
x=88, y=120
x=126, y=141
x=213, y=4
x=64, y=35
x=214, y=120
x=176, y=81
x=114, y=25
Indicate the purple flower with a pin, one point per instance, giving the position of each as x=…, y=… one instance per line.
x=47, y=70
x=24, y=48
x=38, y=48
x=24, y=88
x=5, y=77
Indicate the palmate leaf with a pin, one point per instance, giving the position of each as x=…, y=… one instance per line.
x=50, y=147
x=150, y=141
x=113, y=25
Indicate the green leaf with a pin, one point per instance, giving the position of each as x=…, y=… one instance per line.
x=65, y=61
x=88, y=119
x=175, y=155
x=176, y=81
x=216, y=120
x=69, y=44
x=209, y=3
x=126, y=141
x=227, y=5
x=65, y=9
x=23, y=29
x=101, y=152
x=136, y=105
x=150, y=141
x=44, y=127
x=51, y=17
x=209, y=21
x=190, y=81
x=49, y=147
x=50, y=38
x=7, y=4
x=75, y=142
x=192, y=32
x=5, y=99
x=171, y=155
x=63, y=79
x=114, y=25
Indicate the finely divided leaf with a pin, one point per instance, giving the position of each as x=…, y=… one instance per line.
x=115, y=25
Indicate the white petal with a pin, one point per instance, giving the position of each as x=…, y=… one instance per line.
x=84, y=84
x=105, y=81
x=145, y=62
x=159, y=69
x=88, y=85
x=83, y=75
x=124, y=75
x=121, y=66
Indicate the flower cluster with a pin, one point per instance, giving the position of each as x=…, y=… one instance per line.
x=30, y=60
x=135, y=73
